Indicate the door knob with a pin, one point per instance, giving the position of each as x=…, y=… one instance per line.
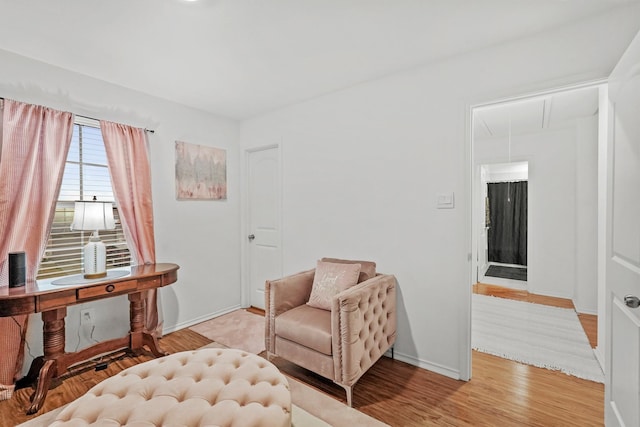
x=251, y=237
x=632, y=301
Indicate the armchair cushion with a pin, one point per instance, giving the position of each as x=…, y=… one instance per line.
x=308, y=326
x=367, y=268
x=329, y=280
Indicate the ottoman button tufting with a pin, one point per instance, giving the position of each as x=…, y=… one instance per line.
x=185, y=389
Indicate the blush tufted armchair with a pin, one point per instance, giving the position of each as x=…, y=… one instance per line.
x=342, y=342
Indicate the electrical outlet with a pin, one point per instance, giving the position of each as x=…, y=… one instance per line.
x=87, y=316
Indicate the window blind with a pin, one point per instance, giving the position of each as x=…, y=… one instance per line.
x=86, y=175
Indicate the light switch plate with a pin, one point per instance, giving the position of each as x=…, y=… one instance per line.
x=445, y=200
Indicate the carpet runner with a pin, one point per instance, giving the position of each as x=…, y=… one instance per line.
x=535, y=334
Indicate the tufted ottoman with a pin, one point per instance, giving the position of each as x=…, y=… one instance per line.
x=207, y=387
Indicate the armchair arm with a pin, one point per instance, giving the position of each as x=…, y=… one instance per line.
x=363, y=322
x=282, y=295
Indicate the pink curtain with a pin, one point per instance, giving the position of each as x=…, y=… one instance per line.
x=34, y=145
x=131, y=178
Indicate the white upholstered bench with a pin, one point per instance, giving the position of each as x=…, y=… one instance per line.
x=207, y=387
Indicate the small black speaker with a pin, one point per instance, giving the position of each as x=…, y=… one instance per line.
x=17, y=269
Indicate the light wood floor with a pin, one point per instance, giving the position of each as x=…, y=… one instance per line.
x=501, y=393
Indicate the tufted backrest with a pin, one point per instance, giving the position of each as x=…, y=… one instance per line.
x=364, y=326
x=207, y=387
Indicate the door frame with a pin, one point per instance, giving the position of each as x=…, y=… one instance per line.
x=481, y=211
x=471, y=197
x=245, y=261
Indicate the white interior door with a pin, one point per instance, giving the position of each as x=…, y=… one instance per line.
x=622, y=316
x=264, y=241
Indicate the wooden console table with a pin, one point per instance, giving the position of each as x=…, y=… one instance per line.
x=52, y=301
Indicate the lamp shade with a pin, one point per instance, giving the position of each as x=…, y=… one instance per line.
x=93, y=215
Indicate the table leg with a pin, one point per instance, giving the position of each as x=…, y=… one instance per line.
x=152, y=342
x=53, y=343
x=42, y=387
x=140, y=337
x=32, y=376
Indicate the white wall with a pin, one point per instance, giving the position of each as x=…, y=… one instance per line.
x=586, y=292
x=563, y=193
x=551, y=204
x=362, y=166
x=201, y=236
x=504, y=172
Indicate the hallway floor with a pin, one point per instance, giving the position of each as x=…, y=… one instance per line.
x=589, y=322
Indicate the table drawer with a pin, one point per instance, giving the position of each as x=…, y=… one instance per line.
x=56, y=300
x=106, y=290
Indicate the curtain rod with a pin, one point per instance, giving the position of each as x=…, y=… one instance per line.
x=91, y=118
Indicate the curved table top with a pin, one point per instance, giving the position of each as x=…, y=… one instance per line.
x=24, y=299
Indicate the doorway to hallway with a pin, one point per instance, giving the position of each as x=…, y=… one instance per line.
x=556, y=136
x=502, y=242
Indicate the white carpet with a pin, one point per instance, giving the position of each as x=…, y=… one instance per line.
x=535, y=334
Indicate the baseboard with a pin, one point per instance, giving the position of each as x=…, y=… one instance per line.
x=549, y=294
x=599, y=357
x=168, y=329
x=585, y=311
x=482, y=270
x=430, y=366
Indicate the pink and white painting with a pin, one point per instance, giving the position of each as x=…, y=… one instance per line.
x=201, y=172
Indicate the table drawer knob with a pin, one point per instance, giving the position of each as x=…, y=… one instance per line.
x=110, y=288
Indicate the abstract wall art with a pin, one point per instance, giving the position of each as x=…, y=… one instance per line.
x=201, y=172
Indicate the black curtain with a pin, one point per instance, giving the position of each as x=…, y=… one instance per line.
x=508, y=222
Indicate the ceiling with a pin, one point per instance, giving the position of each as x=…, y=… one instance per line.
x=241, y=58
x=535, y=114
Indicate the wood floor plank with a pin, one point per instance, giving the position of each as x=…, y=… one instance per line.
x=521, y=295
x=501, y=392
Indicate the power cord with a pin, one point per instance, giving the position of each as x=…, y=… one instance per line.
x=93, y=328
x=91, y=338
x=79, y=338
x=100, y=363
x=25, y=341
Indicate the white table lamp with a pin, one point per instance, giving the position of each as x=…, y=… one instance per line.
x=94, y=216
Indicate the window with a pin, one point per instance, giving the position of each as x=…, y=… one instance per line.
x=85, y=175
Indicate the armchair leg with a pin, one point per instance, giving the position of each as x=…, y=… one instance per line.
x=349, y=390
